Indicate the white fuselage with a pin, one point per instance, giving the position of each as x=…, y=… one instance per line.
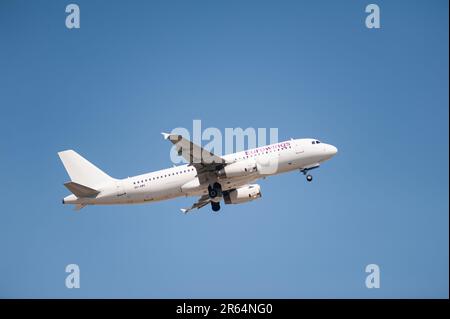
x=183, y=180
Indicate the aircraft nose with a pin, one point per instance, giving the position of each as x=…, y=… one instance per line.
x=332, y=150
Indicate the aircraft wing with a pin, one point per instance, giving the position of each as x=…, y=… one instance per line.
x=202, y=201
x=196, y=155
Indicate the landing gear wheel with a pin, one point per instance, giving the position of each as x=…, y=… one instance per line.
x=215, y=190
x=309, y=178
x=215, y=206
x=212, y=192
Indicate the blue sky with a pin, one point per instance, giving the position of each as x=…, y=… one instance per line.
x=310, y=69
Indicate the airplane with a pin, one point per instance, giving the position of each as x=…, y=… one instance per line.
x=211, y=177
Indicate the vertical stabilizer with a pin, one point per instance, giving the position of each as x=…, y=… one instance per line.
x=82, y=172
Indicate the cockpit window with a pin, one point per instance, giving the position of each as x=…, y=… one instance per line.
x=314, y=142
x=318, y=142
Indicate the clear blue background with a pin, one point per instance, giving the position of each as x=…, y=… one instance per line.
x=311, y=69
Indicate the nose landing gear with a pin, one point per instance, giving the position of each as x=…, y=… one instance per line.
x=309, y=177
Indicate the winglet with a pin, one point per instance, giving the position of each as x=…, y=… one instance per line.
x=184, y=210
x=165, y=135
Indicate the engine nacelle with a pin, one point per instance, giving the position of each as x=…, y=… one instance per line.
x=242, y=194
x=238, y=169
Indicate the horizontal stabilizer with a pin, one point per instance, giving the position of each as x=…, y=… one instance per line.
x=80, y=190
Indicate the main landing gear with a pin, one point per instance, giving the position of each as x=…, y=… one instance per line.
x=215, y=206
x=215, y=191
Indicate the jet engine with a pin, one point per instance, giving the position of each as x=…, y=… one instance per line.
x=242, y=194
x=239, y=169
